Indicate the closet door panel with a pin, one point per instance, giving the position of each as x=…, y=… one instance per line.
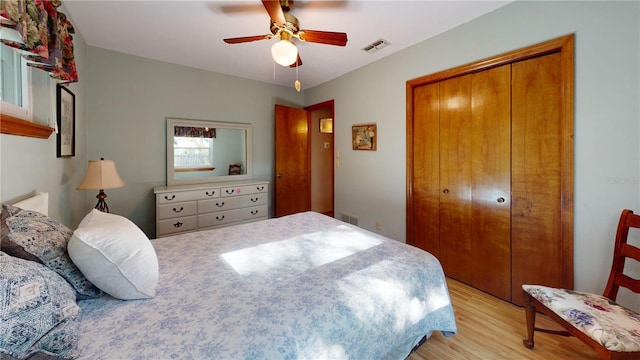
x=426, y=167
x=491, y=180
x=455, y=177
x=536, y=219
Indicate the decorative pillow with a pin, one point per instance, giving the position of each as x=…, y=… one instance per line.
x=33, y=236
x=115, y=255
x=38, y=311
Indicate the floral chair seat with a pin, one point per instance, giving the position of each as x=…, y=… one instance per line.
x=615, y=327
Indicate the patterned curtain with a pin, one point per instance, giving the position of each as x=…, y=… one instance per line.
x=188, y=131
x=45, y=36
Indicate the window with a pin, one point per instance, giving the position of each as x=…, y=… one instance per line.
x=192, y=154
x=15, y=80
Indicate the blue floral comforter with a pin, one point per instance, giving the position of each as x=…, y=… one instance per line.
x=305, y=286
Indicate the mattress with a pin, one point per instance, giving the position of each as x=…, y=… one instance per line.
x=304, y=286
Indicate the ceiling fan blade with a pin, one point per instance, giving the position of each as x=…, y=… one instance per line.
x=275, y=11
x=324, y=37
x=297, y=62
x=245, y=39
x=242, y=8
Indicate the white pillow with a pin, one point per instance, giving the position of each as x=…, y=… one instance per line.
x=115, y=255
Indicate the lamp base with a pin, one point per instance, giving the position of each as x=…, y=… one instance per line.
x=102, y=205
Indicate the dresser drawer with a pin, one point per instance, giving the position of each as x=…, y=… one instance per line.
x=176, y=225
x=231, y=216
x=243, y=190
x=177, y=210
x=253, y=200
x=181, y=196
x=220, y=204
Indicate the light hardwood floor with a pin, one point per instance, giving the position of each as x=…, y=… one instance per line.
x=489, y=328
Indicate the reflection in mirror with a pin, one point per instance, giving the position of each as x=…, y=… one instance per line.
x=206, y=151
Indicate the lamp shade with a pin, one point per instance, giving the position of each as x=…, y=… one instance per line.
x=101, y=174
x=284, y=52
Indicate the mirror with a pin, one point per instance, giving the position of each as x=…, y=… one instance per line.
x=201, y=151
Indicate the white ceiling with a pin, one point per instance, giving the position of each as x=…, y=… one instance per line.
x=190, y=32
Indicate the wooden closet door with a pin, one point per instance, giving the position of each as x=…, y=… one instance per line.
x=491, y=181
x=426, y=167
x=538, y=248
x=455, y=178
x=473, y=225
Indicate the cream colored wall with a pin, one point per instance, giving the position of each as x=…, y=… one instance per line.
x=372, y=185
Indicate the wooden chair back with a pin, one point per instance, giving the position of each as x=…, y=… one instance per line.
x=235, y=169
x=622, y=251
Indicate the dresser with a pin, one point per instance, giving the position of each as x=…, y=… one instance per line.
x=186, y=208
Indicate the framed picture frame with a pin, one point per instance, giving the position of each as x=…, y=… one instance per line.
x=326, y=125
x=364, y=136
x=66, y=120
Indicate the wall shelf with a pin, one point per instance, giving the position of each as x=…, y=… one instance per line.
x=14, y=126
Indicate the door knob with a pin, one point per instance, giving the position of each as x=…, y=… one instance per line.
x=445, y=191
x=279, y=175
x=500, y=199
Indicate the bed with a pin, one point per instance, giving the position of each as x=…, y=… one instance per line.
x=304, y=286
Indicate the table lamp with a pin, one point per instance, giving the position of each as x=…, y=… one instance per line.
x=101, y=174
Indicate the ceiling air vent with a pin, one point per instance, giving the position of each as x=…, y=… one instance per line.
x=376, y=45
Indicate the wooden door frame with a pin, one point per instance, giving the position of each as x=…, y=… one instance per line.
x=565, y=47
x=329, y=104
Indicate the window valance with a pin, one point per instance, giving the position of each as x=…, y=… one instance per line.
x=188, y=131
x=44, y=36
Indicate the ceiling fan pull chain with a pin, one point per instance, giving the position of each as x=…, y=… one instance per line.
x=297, y=83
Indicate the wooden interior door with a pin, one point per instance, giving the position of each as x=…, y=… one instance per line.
x=292, y=161
x=491, y=181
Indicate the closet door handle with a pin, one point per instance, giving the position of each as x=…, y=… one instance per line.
x=445, y=191
x=500, y=199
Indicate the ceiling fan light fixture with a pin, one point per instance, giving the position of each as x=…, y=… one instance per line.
x=284, y=52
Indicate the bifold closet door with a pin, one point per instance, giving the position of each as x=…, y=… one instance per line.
x=426, y=167
x=491, y=180
x=475, y=177
x=538, y=250
x=490, y=168
x=456, y=251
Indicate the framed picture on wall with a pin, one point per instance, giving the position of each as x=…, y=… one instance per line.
x=364, y=136
x=326, y=125
x=66, y=120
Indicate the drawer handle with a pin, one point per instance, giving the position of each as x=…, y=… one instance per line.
x=210, y=194
x=166, y=197
x=220, y=218
x=178, y=224
x=219, y=204
x=254, y=199
x=260, y=188
x=253, y=212
x=178, y=210
x=229, y=191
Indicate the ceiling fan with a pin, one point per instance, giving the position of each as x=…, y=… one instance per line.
x=287, y=27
